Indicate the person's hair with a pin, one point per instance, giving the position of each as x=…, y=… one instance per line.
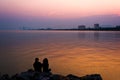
x=45, y=60
x=36, y=59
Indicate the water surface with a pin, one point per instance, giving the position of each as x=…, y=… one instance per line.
x=75, y=52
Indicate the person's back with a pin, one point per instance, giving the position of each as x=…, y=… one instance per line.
x=45, y=65
x=37, y=65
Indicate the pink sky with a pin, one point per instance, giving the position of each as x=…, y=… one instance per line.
x=58, y=13
x=60, y=8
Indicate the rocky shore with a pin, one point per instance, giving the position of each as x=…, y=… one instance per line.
x=32, y=75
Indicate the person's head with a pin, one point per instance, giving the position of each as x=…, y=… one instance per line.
x=36, y=59
x=45, y=60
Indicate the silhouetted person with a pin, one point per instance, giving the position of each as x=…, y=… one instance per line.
x=37, y=65
x=46, y=65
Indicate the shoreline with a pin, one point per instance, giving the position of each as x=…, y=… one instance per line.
x=74, y=29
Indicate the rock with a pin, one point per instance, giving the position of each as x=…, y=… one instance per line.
x=92, y=77
x=87, y=77
x=14, y=77
x=42, y=76
x=5, y=77
x=32, y=75
x=73, y=77
x=58, y=77
x=28, y=75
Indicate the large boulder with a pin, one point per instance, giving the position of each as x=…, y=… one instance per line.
x=58, y=77
x=73, y=77
x=91, y=77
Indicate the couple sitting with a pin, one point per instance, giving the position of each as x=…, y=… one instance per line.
x=38, y=65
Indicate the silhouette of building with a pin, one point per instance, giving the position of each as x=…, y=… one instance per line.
x=81, y=27
x=96, y=26
x=118, y=26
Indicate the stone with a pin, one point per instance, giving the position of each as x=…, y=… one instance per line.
x=92, y=77
x=73, y=77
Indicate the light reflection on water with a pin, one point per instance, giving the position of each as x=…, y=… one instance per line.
x=76, y=52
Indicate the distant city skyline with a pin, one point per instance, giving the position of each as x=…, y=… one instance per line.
x=15, y=14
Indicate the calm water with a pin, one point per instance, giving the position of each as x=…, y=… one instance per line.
x=76, y=52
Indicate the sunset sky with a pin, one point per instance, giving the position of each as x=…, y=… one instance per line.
x=58, y=13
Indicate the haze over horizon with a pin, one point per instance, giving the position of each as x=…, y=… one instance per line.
x=15, y=14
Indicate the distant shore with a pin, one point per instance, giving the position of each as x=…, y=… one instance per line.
x=88, y=29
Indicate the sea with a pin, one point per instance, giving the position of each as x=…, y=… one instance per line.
x=69, y=52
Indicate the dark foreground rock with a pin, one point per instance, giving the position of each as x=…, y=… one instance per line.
x=32, y=75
